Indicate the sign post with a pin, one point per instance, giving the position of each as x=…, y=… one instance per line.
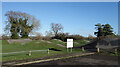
x=69, y=44
x=71, y=49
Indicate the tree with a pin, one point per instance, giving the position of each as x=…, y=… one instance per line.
x=108, y=30
x=25, y=28
x=48, y=34
x=56, y=28
x=38, y=36
x=99, y=29
x=103, y=30
x=14, y=28
x=61, y=36
x=19, y=23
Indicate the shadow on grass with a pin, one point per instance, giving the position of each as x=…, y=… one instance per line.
x=54, y=49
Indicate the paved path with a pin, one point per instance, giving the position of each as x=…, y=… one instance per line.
x=82, y=60
x=51, y=58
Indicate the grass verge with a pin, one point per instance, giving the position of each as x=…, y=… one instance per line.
x=33, y=45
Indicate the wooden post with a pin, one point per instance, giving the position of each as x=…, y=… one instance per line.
x=98, y=50
x=83, y=49
x=48, y=51
x=115, y=51
x=29, y=53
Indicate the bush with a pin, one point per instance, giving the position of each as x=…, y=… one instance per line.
x=15, y=36
x=36, y=38
x=90, y=37
x=61, y=36
x=65, y=36
x=4, y=37
x=76, y=37
x=46, y=38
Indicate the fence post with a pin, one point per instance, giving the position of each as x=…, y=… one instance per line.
x=115, y=51
x=48, y=51
x=83, y=49
x=98, y=50
x=29, y=53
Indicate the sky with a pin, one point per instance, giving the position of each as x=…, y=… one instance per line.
x=76, y=17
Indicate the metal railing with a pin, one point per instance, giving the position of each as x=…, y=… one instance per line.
x=25, y=51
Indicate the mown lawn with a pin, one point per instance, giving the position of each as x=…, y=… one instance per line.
x=80, y=43
x=33, y=45
x=22, y=56
x=76, y=43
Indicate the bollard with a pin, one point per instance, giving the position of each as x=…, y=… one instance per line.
x=83, y=49
x=115, y=51
x=98, y=50
x=48, y=51
x=29, y=53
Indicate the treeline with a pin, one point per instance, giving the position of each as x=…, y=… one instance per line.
x=63, y=37
x=20, y=25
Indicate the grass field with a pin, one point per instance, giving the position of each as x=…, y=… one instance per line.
x=79, y=42
x=34, y=45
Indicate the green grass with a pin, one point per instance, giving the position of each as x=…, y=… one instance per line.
x=58, y=42
x=81, y=43
x=28, y=46
x=22, y=56
x=34, y=46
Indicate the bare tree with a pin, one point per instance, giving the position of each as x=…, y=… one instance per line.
x=38, y=35
x=48, y=33
x=56, y=28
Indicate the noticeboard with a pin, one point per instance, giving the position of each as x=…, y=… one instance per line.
x=69, y=43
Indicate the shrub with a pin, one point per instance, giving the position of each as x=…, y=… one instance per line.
x=76, y=37
x=4, y=37
x=90, y=37
x=61, y=36
x=15, y=36
x=65, y=36
x=46, y=38
x=36, y=38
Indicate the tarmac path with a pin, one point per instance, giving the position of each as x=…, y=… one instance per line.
x=82, y=60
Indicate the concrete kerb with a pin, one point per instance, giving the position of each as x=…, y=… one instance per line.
x=38, y=61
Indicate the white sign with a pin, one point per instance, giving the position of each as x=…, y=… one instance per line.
x=69, y=43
